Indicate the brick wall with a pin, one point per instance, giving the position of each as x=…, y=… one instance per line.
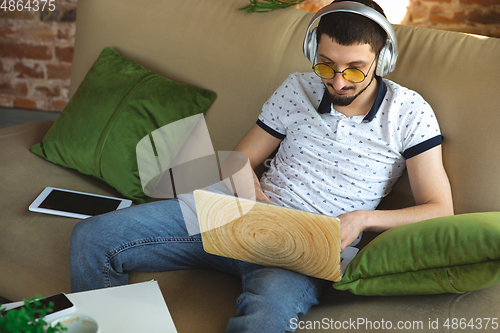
x=480, y=17
x=36, y=47
x=472, y=16
x=36, y=51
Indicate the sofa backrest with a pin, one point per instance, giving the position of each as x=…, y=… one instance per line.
x=244, y=58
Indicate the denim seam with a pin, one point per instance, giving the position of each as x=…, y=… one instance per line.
x=121, y=248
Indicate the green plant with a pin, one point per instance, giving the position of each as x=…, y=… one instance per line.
x=28, y=319
x=268, y=5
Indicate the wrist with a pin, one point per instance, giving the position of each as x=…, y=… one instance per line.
x=371, y=222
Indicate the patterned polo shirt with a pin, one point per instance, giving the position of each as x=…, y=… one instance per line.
x=330, y=164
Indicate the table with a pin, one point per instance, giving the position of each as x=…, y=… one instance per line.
x=132, y=308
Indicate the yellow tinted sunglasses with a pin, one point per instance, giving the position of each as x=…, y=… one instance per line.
x=353, y=75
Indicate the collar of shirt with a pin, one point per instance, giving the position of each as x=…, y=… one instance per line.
x=326, y=106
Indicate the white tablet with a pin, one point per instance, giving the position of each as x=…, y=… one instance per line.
x=75, y=204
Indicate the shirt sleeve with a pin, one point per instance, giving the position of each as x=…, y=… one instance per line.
x=422, y=128
x=273, y=111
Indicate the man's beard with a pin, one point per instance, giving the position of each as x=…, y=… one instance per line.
x=337, y=100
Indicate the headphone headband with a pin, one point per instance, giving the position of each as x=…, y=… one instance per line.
x=388, y=55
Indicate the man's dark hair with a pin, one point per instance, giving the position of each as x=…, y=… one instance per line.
x=350, y=29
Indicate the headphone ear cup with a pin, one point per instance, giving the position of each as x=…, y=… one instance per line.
x=384, y=60
x=311, y=47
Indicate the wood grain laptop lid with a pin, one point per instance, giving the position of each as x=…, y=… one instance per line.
x=269, y=235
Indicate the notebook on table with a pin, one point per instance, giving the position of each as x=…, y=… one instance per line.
x=269, y=235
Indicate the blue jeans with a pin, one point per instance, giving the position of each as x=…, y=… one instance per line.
x=153, y=237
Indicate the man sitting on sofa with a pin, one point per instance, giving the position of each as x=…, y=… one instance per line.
x=344, y=136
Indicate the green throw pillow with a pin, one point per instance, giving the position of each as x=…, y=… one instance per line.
x=116, y=105
x=453, y=254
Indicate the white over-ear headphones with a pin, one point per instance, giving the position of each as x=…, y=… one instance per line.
x=387, y=56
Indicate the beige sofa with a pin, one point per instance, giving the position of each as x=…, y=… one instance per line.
x=244, y=58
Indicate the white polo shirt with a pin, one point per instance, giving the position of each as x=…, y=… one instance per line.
x=330, y=164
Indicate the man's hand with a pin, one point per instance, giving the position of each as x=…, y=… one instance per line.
x=264, y=198
x=353, y=224
x=259, y=194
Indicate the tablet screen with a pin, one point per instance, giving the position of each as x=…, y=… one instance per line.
x=79, y=203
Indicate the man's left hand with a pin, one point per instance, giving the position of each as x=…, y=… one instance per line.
x=353, y=224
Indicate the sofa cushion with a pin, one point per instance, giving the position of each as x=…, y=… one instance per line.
x=116, y=105
x=452, y=254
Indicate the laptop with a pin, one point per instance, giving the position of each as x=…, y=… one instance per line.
x=269, y=235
